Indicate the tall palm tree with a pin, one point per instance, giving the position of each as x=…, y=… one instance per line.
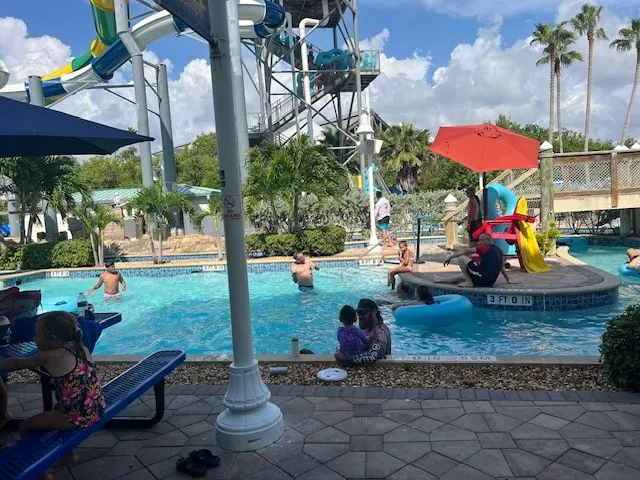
x=95, y=219
x=263, y=184
x=405, y=152
x=159, y=207
x=586, y=23
x=39, y=183
x=564, y=58
x=214, y=210
x=544, y=34
x=629, y=38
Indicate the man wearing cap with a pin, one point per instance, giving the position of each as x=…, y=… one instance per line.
x=371, y=322
x=474, y=213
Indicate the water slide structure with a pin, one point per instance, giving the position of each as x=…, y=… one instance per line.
x=107, y=53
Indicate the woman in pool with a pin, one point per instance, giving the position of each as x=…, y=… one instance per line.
x=634, y=259
x=423, y=297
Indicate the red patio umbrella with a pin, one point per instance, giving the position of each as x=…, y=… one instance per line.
x=486, y=147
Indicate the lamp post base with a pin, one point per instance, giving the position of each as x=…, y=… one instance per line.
x=250, y=421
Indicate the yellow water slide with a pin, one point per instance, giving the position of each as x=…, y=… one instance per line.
x=104, y=21
x=529, y=249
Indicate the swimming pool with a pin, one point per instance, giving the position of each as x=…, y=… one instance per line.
x=191, y=312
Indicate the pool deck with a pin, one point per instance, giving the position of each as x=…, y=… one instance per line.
x=338, y=433
x=567, y=276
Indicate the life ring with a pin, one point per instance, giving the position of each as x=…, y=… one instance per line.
x=628, y=272
x=65, y=304
x=447, y=310
x=332, y=374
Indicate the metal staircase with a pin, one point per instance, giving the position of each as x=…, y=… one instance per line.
x=325, y=83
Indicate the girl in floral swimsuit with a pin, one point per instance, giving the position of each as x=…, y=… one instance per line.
x=63, y=357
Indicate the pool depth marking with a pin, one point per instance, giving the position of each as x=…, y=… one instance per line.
x=510, y=300
x=443, y=358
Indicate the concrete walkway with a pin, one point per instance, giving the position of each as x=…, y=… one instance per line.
x=337, y=433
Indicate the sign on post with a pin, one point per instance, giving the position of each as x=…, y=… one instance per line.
x=231, y=207
x=194, y=13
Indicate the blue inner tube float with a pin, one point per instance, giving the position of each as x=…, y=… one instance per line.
x=628, y=272
x=448, y=309
x=65, y=304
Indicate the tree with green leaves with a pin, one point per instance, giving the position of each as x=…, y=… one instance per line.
x=585, y=23
x=159, y=207
x=629, y=39
x=95, y=219
x=287, y=172
x=214, y=210
x=544, y=35
x=39, y=183
x=563, y=57
x=405, y=153
x=198, y=163
x=121, y=170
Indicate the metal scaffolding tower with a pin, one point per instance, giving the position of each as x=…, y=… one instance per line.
x=337, y=74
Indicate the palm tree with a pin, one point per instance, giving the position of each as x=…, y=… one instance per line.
x=95, y=219
x=629, y=38
x=39, y=183
x=544, y=35
x=159, y=207
x=586, y=23
x=405, y=152
x=214, y=210
x=564, y=58
x=288, y=172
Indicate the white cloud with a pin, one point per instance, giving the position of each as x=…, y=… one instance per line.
x=486, y=77
x=480, y=80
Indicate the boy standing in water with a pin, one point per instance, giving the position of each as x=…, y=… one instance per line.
x=111, y=279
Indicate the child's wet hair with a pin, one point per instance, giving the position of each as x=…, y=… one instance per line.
x=424, y=294
x=348, y=315
x=64, y=327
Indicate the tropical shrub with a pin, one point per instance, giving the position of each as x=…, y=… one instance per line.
x=255, y=242
x=323, y=241
x=547, y=238
x=281, y=244
x=620, y=349
x=11, y=258
x=72, y=254
x=36, y=256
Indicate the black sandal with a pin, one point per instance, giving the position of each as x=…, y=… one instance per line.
x=205, y=457
x=191, y=467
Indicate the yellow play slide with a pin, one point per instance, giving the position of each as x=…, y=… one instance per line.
x=529, y=249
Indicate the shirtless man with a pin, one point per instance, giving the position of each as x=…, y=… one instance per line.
x=302, y=272
x=111, y=280
x=634, y=259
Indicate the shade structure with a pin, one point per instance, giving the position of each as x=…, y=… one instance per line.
x=28, y=130
x=486, y=147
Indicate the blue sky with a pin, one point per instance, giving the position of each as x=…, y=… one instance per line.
x=436, y=68
x=412, y=27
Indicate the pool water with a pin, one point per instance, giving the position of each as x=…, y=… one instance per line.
x=191, y=312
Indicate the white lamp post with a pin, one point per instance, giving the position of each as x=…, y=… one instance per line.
x=368, y=146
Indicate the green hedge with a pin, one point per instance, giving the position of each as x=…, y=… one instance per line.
x=37, y=256
x=620, y=351
x=323, y=242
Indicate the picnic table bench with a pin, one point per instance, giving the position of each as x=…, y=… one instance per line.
x=40, y=451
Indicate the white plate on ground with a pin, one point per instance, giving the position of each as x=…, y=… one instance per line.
x=332, y=374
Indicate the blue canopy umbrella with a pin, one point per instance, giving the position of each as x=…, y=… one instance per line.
x=29, y=131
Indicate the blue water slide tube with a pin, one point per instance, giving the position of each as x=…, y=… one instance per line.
x=146, y=31
x=498, y=192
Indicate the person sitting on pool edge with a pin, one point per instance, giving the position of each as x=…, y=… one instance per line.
x=302, y=272
x=405, y=255
x=634, y=259
x=111, y=279
x=352, y=340
x=423, y=297
x=485, y=271
x=371, y=322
